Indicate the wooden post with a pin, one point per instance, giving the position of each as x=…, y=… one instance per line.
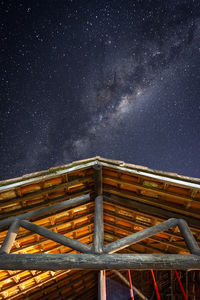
x=56, y=237
x=98, y=225
x=115, y=261
x=10, y=237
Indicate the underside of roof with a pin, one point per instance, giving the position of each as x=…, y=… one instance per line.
x=134, y=198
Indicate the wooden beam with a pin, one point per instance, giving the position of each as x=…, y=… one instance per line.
x=133, y=222
x=157, y=191
x=56, y=237
x=48, y=202
x=154, y=239
x=10, y=237
x=47, y=210
x=138, y=292
x=98, y=179
x=99, y=262
x=138, y=236
x=153, y=202
x=150, y=209
x=98, y=225
x=188, y=237
x=177, y=180
x=46, y=191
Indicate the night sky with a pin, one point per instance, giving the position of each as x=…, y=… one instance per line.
x=118, y=79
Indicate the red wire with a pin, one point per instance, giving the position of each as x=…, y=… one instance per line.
x=155, y=285
x=130, y=285
x=181, y=286
x=104, y=284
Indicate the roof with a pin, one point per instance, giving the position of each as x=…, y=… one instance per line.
x=135, y=198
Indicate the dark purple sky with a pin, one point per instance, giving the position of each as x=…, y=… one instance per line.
x=119, y=79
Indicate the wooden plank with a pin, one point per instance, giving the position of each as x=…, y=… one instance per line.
x=48, y=209
x=56, y=237
x=150, y=209
x=99, y=262
x=98, y=225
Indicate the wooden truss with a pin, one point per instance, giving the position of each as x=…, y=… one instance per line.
x=98, y=256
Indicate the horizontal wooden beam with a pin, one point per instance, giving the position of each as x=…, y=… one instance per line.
x=56, y=237
x=47, y=210
x=99, y=262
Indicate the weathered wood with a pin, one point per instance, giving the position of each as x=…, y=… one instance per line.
x=153, y=239
x=152, y=201
x=157, y=191
x=56, y=237
x=48, y=209
x=138, y=292
x=99, y=262
x=176, y=180
x=138, y=236
x=98, y=179
x=110, y=214
x=45, y=191
x=188, y=237
x=98, y=225
x=10, y=237
x=152, y=210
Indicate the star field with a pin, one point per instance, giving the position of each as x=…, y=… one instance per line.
x=119, y=79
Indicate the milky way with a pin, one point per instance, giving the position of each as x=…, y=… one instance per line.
x=119, y=80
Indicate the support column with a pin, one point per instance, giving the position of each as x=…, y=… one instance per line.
x=98, y=225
